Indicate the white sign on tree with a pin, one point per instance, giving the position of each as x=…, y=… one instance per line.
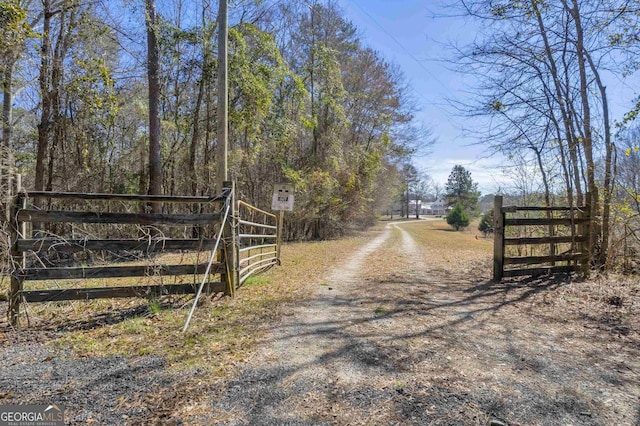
x=282, y=197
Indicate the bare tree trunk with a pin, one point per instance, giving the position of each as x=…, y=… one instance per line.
x=195, y=136
x=575, y=165
x=46, y=119
x=5, y=149
x=311, y=92
x=7, y=107
x=193, y=148
x=608, y=175
x=209, y=151
x=153, y=74
x=57, y=77
x=587, y=141
x=572, y=137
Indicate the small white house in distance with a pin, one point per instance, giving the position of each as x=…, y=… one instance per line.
x=435, y=208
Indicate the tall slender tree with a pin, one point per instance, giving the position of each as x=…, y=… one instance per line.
x=153, y=77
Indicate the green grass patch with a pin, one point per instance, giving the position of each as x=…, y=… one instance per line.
x=154, y=306
x=257, y=280
x=381, y=310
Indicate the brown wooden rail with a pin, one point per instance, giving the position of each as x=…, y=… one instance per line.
x=124, y=197
x=145, y=245
x=576, y=259
x=56, y=216
x=23, y=245
x=57, y=295
x=59, y=273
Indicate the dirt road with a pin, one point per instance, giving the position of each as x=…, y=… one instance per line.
x=395, y=336
x=399, y=326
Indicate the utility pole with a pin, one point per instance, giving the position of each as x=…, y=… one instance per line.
x=223, y=98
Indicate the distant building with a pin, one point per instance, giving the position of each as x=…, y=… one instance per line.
x=434, y=208
x=426, y=208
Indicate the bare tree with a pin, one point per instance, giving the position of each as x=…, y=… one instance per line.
x=543, y=92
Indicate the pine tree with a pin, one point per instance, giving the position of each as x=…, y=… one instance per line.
x=458, y=218
x=462, y=189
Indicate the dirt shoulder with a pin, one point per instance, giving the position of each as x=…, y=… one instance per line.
x=401, y=326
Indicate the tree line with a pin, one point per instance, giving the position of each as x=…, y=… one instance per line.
x=121, y=97
x=311, y=104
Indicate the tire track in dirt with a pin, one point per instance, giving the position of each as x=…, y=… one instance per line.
x=352, y=267
x=315, y=354
x=409, y=246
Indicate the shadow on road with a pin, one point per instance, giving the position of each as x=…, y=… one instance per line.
x=436, y=350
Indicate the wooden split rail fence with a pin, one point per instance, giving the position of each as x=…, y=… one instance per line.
x=249, y=236
x=564, y=240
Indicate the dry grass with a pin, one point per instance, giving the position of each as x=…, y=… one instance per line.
x=445, y=243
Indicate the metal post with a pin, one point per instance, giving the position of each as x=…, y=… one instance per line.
x=223, y=99
x=407, y=200
x=279, y=235
x=230, y=244
x=498, y=239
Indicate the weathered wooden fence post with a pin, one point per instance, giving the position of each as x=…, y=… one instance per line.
x=586, y=249
x=230, y=244
x=16, y=230
x=498, y=239
x=7, y=187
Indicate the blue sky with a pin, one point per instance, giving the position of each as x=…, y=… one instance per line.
x=412, y=34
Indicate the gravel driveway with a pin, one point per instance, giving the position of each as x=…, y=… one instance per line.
x=392, y=338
